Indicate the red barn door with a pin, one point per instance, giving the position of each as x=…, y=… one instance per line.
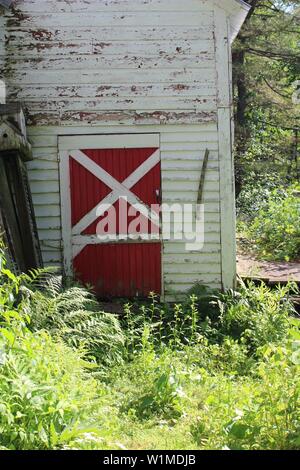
x=110, y=187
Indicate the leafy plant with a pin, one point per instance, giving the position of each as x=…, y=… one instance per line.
x=157, y=391
x=46, y=395
x=256, y=315
x=271, y=418
x=172, y=326
x=220, y=371
x=275, y=231
x=73, y=315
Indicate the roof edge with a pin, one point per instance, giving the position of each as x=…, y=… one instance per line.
x=237, y=12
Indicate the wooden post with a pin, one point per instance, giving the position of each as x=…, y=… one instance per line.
x=9, y=217
x=15, y=198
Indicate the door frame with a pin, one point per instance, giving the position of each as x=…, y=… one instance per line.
x=67, y=143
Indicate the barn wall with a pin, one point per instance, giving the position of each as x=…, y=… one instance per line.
x=128, y=61
x=123, y=66
x=182, y=152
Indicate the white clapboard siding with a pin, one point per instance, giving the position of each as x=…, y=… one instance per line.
x=122, y=67
x=189, y=186
x=114, y=19
x=126, y=33
x=49, y=234
x=190, y=167
x=43, y=175
x=123, y=117
x=47, y=210
x=119, y=49
x=47, y=222
x=194, y=258
x=180, y=180
x=139, y=62
x=50, y=258
x=54, y=6
x=62, y=92
x=177, y=248
x=205, y=77
x=44, y=199
x=93, y=60
x=52, y=245
x=155, y=104
x=42, y=164
x=44, y=187
x=175, y=280
x=193, y=268
x=187, y=196
x=210, y=236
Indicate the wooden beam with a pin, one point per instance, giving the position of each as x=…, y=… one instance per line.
x=11, y=140
x=17, y=212
x=227, y=190
x=10, y=220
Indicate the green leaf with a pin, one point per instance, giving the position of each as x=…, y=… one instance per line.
x=239, y=430
x=7, y=334
x=42, y=434
x=9, y=274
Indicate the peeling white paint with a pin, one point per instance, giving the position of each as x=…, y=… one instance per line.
x=128, y=66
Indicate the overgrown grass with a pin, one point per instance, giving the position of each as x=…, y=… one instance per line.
x=217, y=372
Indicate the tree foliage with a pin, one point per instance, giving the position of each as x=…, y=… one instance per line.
x=266, y=66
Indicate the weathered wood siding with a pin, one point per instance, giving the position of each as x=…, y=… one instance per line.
x=122, y=66
x=140, y=61
x=182, y=152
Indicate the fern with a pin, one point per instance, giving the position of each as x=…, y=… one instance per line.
x=73, y=315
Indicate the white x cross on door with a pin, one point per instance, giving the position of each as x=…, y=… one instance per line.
x=99, y=173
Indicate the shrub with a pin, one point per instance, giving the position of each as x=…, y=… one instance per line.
x=271, y=418
x=73, y=315
x=255, y=196
x=256, y=315
x=229, y=357
x=46, y=395
x=275, y=231
x=161, y=398
x=251, y=316
x=256, y=412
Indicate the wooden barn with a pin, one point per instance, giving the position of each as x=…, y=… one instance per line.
x=128, y=102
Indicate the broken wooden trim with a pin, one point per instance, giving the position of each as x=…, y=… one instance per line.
x=17, y=212
x=13, y=113
x=12, y=141
x=16, y=207
x=13, y=131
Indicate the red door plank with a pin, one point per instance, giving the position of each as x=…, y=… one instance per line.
x=121, y=270
x=116, y=269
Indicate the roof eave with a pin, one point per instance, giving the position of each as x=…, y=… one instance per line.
x=237, y=20
x=237, y=11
